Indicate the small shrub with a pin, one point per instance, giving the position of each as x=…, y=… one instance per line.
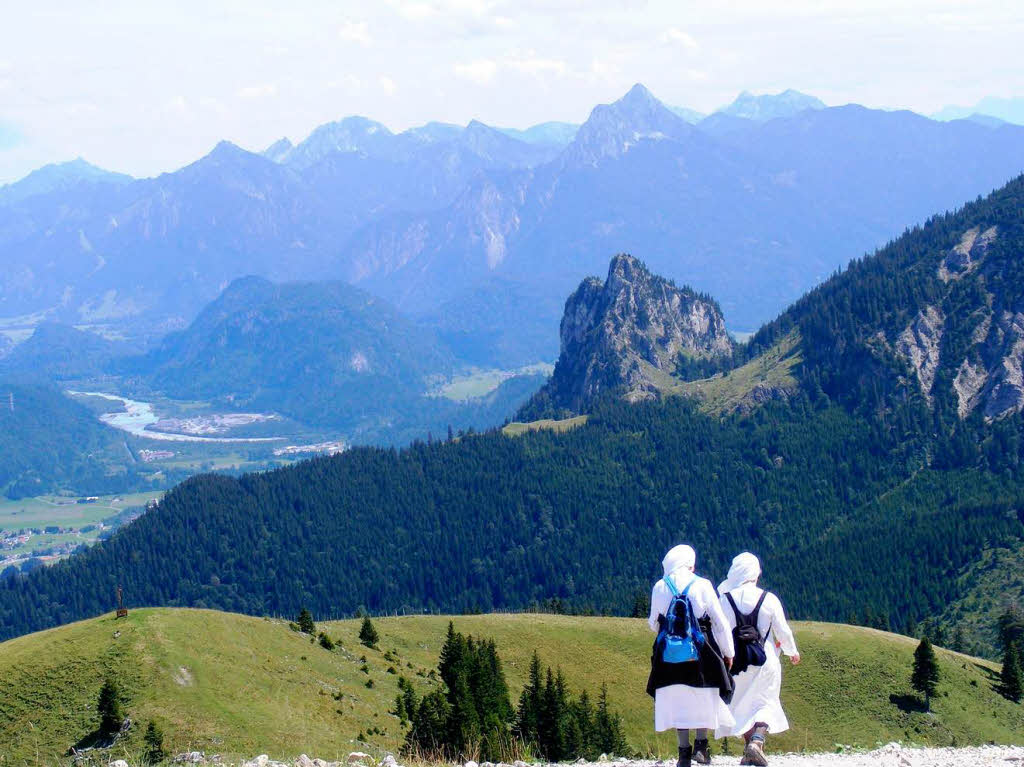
x=110, y=707
x=326, y=642
x=369, y=684
x=368, y=633
x=305, y=622
x=154, y=740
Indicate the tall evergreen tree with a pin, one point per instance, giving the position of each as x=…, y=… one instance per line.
x=1012, y=682
x=608, y=727
x=925, y=676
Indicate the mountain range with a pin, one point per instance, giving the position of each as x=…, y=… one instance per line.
x=877, y=473
x=753, y=204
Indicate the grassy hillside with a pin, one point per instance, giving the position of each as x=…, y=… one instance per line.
x=756, y=381
x=239, y=685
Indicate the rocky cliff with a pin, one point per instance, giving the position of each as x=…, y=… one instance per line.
x=628, y=334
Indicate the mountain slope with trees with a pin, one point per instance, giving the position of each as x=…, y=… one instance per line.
x=854, y=481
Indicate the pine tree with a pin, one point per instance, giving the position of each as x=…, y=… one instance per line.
x=925, y=676
x=110, y=708
x=1011, y=677
x=305, y=621
x=368, y=634
x=427, y=736
x=608, y=727
x=959, y=642
x=527, y=727
x=154, y=740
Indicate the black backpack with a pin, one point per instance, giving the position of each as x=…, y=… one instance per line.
x=747, y=639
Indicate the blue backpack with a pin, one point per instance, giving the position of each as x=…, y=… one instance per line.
x=680, y=638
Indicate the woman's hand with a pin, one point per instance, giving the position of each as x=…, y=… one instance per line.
x=728, y=662
x=795, y=659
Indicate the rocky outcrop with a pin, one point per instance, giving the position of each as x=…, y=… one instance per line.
x=967, y=254
x=969, y=381
x=627, y=334
x=1005, y=391
x=920, y=344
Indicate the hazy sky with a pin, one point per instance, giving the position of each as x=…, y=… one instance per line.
x=143, y=87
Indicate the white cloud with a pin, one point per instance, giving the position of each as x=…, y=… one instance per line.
x=415, y=11
x=479, y=71
x=676, y=36
x=258, y=91
x=386, y=84
x=355, y=32
x=537, y=66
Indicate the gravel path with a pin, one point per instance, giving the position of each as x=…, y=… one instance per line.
x=892, y=755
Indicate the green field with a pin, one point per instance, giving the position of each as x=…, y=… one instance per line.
x=64, y=512
x=478, y=383
x=241, y=686
x=517, y=428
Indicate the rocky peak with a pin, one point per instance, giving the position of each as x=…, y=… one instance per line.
x=627, y=334
x=352, y=134
x=612, y=129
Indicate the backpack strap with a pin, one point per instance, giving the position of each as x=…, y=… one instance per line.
x=757, y=608
x=735, y=609
x=671, y=585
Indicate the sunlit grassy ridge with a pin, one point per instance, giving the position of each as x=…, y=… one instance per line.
x=516, y=428
x=241, y=686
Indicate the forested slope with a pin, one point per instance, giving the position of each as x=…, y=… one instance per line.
x=496, y=522
x=866, y=493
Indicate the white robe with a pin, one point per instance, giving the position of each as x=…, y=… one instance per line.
x=680, y=706
x=757, y=689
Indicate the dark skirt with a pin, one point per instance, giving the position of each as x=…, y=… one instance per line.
x=707, y=671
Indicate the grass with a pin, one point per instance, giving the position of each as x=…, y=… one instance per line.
x=64, y=511
x=725, y=393
x=241, y=686
x=517, y=428
x=479, y=383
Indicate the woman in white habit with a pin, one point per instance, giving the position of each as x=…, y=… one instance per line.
x=695, y=704
x=755, y=707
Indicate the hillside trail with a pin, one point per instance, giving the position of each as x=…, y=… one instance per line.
x=891, y=755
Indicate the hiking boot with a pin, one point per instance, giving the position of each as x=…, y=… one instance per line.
x=685, y=756
x=754, y=753
x=701, y=752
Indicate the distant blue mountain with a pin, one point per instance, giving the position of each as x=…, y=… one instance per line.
x=458, y=224
x=1009, y=110
x=771, y=106
x=549, y=133
x=691, y=116
x=58, y=177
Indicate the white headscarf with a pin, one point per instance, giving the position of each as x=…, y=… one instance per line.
x=678, y=557
x=745, y=567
